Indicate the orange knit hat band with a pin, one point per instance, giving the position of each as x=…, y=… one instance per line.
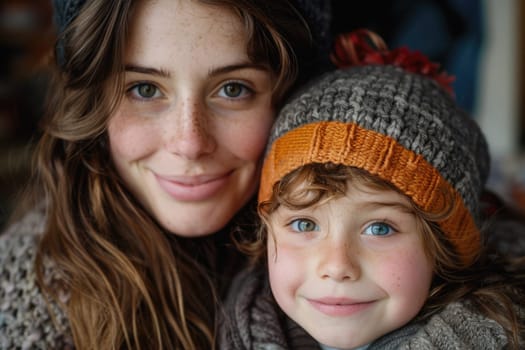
x=380, y=155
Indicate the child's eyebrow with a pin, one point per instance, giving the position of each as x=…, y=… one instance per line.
x=391, y=204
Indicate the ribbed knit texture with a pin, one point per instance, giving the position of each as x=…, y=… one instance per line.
x=252, y=321
x=400, y=126
x=26, y=321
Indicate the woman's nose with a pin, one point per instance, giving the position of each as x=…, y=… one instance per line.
x=338, y=262
x=190, y=134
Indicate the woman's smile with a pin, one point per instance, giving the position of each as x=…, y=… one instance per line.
x=193, y=188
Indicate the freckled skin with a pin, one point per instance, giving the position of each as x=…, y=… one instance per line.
x=190, y=135
x=391, y=273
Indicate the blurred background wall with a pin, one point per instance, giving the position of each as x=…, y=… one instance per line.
x=26, y=36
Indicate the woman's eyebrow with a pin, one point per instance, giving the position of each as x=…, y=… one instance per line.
x=212, y=72
x=147, y=70
x=234, y=67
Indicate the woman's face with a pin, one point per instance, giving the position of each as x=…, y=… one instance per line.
x=191, y=128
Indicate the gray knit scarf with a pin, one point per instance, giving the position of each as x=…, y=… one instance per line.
x=251, y=320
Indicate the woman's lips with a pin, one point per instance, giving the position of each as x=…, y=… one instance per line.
x=338, y=307
x=193, y=188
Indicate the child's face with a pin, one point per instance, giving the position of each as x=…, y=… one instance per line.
x=189, y=133
x=349, y=270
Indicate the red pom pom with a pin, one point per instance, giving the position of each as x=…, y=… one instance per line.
x=364, y=47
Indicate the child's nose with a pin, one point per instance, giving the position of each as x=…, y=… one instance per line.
x=338, y=262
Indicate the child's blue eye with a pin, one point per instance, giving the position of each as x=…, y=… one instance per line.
x=304, y=225
x=379, y=229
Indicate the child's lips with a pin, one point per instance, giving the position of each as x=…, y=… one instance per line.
x=339, y=307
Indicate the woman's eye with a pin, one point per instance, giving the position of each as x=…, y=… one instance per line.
x=379, y=229
x=145, y=91
x=304, y=225
x=234, y=90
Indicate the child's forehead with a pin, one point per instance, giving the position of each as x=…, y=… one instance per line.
x=370, y=192
x=364, y=197
x=366, y=193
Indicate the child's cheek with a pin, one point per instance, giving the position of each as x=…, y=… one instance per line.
x=286, y=273
x=407, y=279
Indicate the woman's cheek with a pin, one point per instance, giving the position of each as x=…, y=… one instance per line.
x=248, y=137
x=131, y=138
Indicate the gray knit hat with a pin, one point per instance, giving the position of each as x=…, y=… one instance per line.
x=402, y=127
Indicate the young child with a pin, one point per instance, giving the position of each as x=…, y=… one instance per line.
x=370, y=203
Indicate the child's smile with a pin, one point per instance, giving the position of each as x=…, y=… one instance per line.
x=349, y=269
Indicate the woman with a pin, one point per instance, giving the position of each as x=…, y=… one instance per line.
x=158, y=117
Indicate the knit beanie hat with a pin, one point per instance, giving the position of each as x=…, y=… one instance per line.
x=317, y=14
x=401, y=126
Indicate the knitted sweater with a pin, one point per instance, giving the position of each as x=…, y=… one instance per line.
x=251, y=320
x=26, y=320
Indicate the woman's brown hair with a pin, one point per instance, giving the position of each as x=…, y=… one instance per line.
x=491, y=284
x=128, y=282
